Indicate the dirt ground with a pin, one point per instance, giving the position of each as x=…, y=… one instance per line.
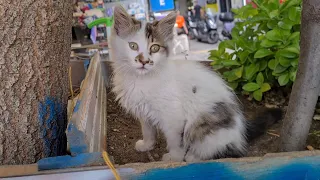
x=124, y=131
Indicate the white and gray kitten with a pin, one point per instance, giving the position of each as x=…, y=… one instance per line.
x=194, y=108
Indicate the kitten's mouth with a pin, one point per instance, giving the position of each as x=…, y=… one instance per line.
x=142, y=68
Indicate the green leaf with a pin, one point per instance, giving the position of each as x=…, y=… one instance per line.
x=238, y=72
x=250, y=87
x=274, y=35
x=272, y=64
x=272, y=4
x=235, y=33
x=230, y=76
x=265, y=87
x=217, y=67
x=285, y=62
x=267, y=43
x=274, y=13
x=263, y=27
x=293, y=75
x=258, y=18
x=295, y=62
x=233, y=85
x=292, y=49
x=287, y=53
x=278, y=34
x=279, y=69
x=263, y=65
x=257, y=95
x=228, y=63
x=251, y=70
x=293, y=36
x=250, y=12
x=260, y=78
x=272, y=24
x=292, y=13
x=268, y=75
x=289, y=3
x=261, y=53
x=243, y=56
x=283, y=79
x=227, y=44
x=214, y=54
x=284, y=25
x=245, y=44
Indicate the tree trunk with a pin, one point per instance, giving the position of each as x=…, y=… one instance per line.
x=35, y=39
x=306, y=88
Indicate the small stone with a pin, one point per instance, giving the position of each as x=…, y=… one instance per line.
x=271, y=106
x=310, y=148
x=316, y=117
x=115, y=130
x=156, y=155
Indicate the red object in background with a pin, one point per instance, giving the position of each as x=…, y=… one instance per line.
x=84, y=9
x=250, y=2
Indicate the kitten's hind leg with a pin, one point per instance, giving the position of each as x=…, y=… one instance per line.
x=149, y=137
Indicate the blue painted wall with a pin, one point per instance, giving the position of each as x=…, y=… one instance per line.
x=307, y=168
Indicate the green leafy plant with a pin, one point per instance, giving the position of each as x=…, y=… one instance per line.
x=264, y=50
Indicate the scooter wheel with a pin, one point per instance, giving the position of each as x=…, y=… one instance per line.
x=213, y=37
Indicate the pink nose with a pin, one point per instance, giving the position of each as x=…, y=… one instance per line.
x=141, y=59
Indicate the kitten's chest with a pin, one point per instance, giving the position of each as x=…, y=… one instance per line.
x=150, y=101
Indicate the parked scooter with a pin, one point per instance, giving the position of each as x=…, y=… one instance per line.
x=228, y=23
x=192, y=26
x=207, y=29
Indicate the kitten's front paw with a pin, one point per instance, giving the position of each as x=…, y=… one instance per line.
x=191, y=158
x=172, y=157
x=142, y=146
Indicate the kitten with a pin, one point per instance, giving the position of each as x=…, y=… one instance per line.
x=194, y=108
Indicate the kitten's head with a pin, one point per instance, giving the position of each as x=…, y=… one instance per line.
x=142, y=47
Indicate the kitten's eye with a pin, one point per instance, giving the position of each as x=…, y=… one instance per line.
x=134, y=46
x=154, y=48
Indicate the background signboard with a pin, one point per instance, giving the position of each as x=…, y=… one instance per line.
x=161, y=5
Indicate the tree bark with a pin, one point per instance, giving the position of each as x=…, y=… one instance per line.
x=35, y=39
x=306, y=88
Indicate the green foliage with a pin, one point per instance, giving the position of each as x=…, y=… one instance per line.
x=264, y=50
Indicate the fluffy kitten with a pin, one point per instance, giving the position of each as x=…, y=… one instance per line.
x=194, y=108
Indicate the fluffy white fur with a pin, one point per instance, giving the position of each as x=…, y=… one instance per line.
x=161, y=96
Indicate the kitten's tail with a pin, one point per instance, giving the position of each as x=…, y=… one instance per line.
x=262, y=122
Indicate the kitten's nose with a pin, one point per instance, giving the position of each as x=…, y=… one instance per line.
x=141, y=59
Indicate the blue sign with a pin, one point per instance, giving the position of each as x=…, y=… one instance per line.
x=161, y=5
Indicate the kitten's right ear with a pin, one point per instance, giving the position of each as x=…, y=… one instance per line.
x=165, y=26
x=124, y=25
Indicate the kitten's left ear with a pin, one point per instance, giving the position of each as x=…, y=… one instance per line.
x=165, y=26
x=124, y=25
